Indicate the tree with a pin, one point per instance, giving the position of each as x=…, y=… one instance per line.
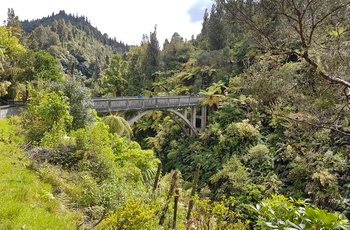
x=13, y=23
x=10, y=50
x=304, y=22
x=79, y=100
x=151, y=60
x=216, y=28
x=133, y=215
x=176, y=52
x=213, y=95
x=42, y=38
x=46, y=112
x=37, y=66
x=309, y=31
x=203, y=36
x=112, y=79
x=135, y=76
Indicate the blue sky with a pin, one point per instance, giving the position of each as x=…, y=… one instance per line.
x=125, y=20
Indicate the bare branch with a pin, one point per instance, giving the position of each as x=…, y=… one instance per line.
x=322, y=73
x=319, y=126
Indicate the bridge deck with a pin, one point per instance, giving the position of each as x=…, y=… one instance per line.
x=135, y=103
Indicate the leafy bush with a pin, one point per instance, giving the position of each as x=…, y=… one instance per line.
x=259, y=158
x=46, y=112
x=215, y=215
x=133, y=215
x=80, y=103
x=93, y=146
x=280, y=212
x=243, y=131
x=231, y=178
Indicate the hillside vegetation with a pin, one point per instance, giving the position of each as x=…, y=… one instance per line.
x=274, y=154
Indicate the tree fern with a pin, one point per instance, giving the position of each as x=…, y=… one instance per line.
x=118, y=125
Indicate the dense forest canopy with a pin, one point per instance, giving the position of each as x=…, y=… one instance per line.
x=274, y=154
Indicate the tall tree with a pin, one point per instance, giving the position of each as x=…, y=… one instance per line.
x=135, y=76
x=216, y=28
x=10, y=51
x=151, y=60
x=112, y=80
x=176, y=52
x=13, y=23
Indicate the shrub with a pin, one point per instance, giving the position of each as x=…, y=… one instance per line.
x=279, y=212
x=46, y=112
x=133, y=215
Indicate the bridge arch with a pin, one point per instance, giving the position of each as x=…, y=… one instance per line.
x=170, y=112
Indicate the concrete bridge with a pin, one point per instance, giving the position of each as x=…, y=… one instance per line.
x=189, y=108
x=9, y=110
x=192, y=113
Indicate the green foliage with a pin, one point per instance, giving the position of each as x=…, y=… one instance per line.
x=90, y=191
x=72, y=39
x=294, y=143
x=112, y=81
x=213, y=95
x=216, y=28
x=150, y=62
x=39, y=65
x=93, y=147
x=176, y=52
x=42, y=38
x=134, y=155
x=13, y=24
x=79, y=100
x=10, y=50
x=46, y=112
x=229, y=112
x=118, y=125
x=215, y=215
x=231, y=178
x=259, y=158
x=243, y=131
x=10, y=45
x=10, y=130
x=135, y=77
x=134, y=214
x=280, y=212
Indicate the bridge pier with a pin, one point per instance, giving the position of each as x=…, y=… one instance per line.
x=203, y=117
x=194, y=117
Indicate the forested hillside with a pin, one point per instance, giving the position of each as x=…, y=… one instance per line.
x=72, y=39
x=274, y=154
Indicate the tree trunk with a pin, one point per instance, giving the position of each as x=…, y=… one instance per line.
x=170, y=194
x=176, y=201
x=193, y=192
x=156, y=179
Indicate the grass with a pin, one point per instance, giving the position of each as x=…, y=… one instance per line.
x=24, y=198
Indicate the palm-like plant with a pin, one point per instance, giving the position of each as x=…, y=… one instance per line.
x=159, y=86
x=213, y=95
x=118, y=125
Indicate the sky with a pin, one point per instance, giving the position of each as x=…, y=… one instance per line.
x=126, y=20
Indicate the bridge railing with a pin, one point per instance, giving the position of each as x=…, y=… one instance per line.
x=135, y=103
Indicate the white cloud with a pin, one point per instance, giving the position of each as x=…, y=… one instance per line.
x=127, y=21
